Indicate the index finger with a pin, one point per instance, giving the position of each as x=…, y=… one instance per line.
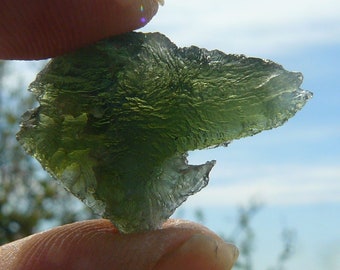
x=38, y=29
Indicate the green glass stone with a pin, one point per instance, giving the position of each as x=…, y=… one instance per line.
x=116, y=120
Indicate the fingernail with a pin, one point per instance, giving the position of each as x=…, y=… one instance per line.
x=200, y=252
x=161, y=2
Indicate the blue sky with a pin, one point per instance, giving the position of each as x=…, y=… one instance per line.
x=295, y=169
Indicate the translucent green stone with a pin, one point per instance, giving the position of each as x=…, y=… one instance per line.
x=117, y=118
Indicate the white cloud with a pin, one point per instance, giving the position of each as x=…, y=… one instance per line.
x=251, y=27
x=274, y=185
x=20, y=73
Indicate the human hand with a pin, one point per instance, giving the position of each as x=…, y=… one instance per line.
x=38, y=29
x=96, y=244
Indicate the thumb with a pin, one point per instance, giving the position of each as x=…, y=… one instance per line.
x=96, y=244
x=39, y=29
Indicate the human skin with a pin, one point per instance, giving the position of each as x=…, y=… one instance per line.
x=96, y=244
x=39, y=29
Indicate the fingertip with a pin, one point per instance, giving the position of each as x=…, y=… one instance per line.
x=65, y=247
x=40, y=29
x=96, y=244
x=200, y=252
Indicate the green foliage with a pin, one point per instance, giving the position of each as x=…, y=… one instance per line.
x=29, y=199
x=288, y=237
x=244, y=236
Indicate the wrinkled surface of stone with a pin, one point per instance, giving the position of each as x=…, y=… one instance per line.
x=117, y=118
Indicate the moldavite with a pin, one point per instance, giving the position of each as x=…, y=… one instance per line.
x=116, y=120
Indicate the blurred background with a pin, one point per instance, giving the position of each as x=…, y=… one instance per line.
x=276, y=194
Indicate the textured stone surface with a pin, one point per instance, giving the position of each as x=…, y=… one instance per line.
x=117, y=118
